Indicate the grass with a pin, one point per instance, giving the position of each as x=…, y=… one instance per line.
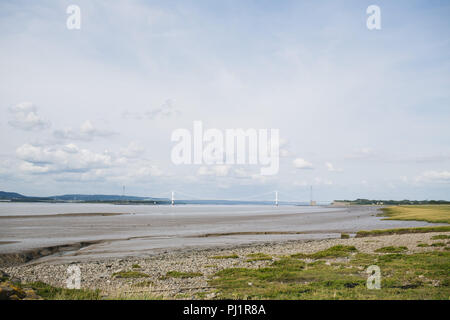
x=345, y=236
x=438, y=244
x=130, y=274
x=403, y=276
x=49, y=292
x=384, y=232
x=258, y=257
x=136, y=266
x=440, y=237
x=144, y=284
x=182, y=275
x=134, y=296
x=332, y=252
x=429, y=213
x=230, y=256
x=391, y=249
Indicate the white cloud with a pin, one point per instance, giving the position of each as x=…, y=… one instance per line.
x=166, y=110
x=321, y=181
x=87, y=132
x=284, y=151
x=300, y=163
x=133, y=150
x=220, y=171
x=434, y=176
x=26, y=117
x=331, y=168
x=70, y=158
x=316, y=181
x=71, y=163
x=362, y=153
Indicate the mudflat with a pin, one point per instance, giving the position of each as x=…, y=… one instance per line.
x=72, y=232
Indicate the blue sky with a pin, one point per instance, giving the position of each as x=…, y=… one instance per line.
x=91, y=110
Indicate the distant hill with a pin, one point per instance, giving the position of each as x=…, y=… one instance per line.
x=11, y=195
x=101, y=197
x=390, y=202
x=75, y=197
x=118, y=199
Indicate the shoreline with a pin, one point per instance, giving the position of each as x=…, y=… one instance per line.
x=102, y=273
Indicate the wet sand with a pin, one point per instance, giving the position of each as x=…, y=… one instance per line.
x=142, y=231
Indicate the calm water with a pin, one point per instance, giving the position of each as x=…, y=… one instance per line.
x=142, y=229
x=11, y=208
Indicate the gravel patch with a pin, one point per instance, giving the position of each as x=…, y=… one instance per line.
x=99, y=274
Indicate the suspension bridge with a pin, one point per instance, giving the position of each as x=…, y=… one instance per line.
x=271, y=197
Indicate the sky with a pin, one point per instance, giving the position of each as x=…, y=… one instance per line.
x=361, y=113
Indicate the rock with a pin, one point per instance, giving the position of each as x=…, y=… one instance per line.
x=3, y=276
x=9, y=291
x=5, y=292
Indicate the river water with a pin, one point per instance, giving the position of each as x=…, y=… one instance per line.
x=143, y=229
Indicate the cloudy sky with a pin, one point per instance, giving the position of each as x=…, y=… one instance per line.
x=361, y=113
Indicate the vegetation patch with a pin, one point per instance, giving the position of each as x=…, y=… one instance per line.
x=429, y=213
x=49, y=292
x=373, y=233
x=134, y=296
x=230, y=256
x=182, y=275
x=291, y=278
x=144, y=284
x=438, y=244
x=440, y=237
x=345, y=236
x=391, y=249
x=332, y=252
x=136, y=266
x=130, y=274
x=258, y=257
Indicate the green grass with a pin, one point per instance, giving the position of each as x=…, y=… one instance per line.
x=49, y=292
x=144, y=284
x=182, y=275
x=332, y=252
x=423, y=245
x=392, y=249
x=403, y=276
x=345, y=236
x=230, y=256
x=383, y=232
x=130, y=274
x=438, y=244
x=429, y=213
x=441, y=237
x=136, y=266
x=258, y=257
x=134, y=296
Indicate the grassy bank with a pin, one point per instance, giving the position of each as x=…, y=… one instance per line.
x=414, y=264
x=403, y=276
x=385, y=232
x=429, y=213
